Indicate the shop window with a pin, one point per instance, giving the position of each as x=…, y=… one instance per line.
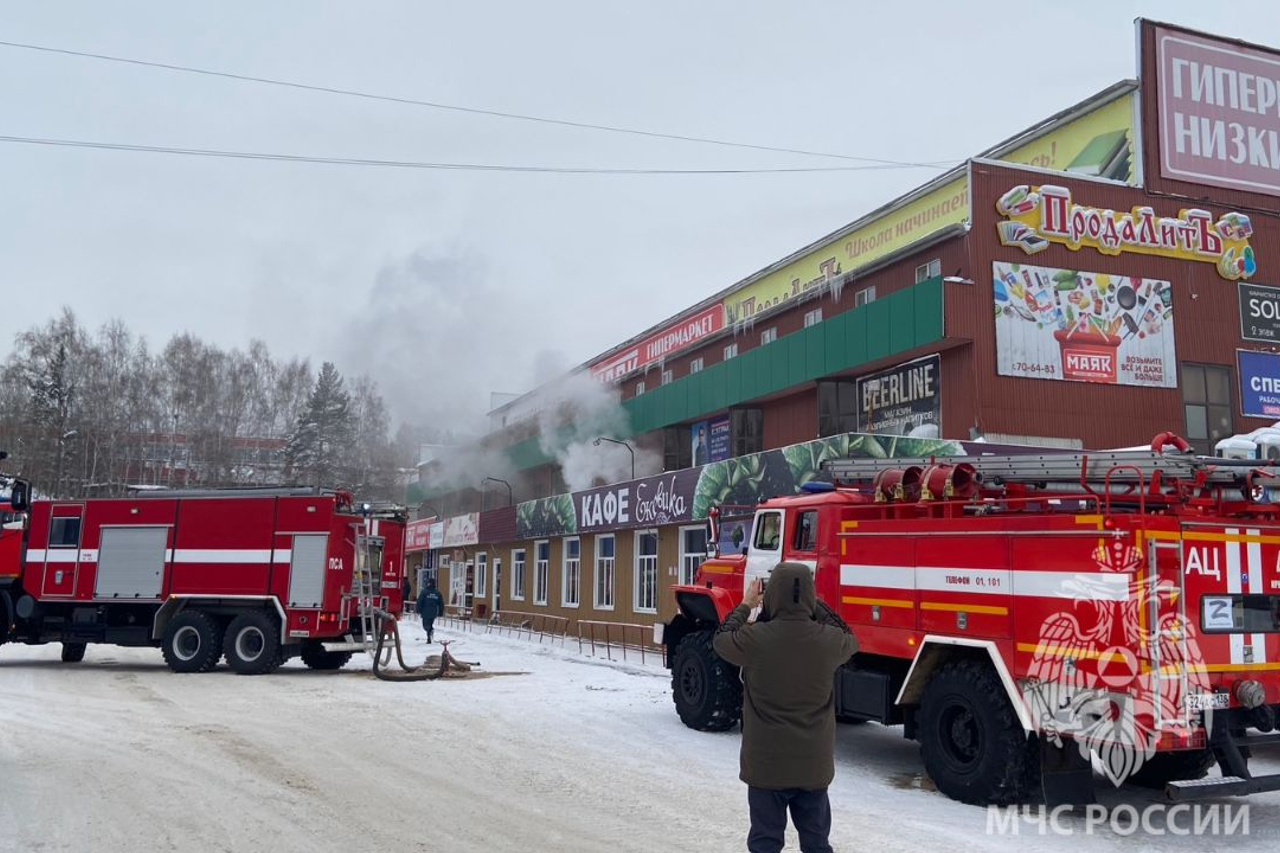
x=731, y=351
x=541, y=565
x=667, y=376
x=1206, y=399
x=806, y=535
x=812, y=318
x=747, y=426
x=693, y=550
x=482, y=574
x=837, y=408
x=517, y=574
x=605, y=558
x=933, y=269
x=572, y=576
x=639, y=387
x=865, y=296
x=677, y=450
x=769, y=335
x=695, y=366
x=646, y=571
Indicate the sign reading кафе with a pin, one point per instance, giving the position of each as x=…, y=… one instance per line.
x=1219, y=112
x=1259, y=312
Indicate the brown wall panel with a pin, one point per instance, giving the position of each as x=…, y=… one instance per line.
x=1206, y=321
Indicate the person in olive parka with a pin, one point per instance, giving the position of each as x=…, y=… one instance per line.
x=788, y=660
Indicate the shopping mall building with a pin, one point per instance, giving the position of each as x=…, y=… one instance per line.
x=1109, y=274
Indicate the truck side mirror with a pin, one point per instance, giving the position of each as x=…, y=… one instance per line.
x=20, y=495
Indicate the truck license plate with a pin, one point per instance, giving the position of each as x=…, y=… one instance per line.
x=1208, y=701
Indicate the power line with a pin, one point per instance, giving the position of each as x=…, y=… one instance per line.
x=352, y=93
x=417, y=164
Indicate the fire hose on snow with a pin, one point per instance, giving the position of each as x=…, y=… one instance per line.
x=430, y=670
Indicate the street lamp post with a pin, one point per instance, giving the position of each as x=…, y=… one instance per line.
x=629, y=448
x=503, y=482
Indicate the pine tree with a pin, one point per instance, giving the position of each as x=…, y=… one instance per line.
x=321, y=444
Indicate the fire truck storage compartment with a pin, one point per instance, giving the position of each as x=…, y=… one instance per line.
x=306, y=569
x=868, y=694
x=131, y=562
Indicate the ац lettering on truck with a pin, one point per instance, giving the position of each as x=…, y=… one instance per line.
x=1020, y=615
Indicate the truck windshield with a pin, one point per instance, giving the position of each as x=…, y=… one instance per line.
x=369, y=556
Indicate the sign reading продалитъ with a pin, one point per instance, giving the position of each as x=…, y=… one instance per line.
x=1038, y=216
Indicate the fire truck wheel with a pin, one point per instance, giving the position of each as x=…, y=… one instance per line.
x=315, y=656
x=73, y=652
x=973, y=746
x=1165, y=767
x=192, y=642
x=252, y=645
x=706, y=689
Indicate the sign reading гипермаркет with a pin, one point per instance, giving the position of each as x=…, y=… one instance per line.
x=1259, y=312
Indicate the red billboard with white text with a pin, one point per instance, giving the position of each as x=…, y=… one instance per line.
x=661, y=345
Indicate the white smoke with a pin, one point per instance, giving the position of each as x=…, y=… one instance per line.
x=572, y=414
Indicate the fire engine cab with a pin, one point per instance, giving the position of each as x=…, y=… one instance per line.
x=255, y=575
x=1021, y=616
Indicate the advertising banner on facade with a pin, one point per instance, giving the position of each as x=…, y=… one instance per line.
x=653, y=501
x=880, y=236
x=1219, y=112
x=1098, y=144
x=721, y=438
x=462, y=530
x=1083, y=326
x=662, y=345
x=1259, y=312
x=1038, y=216
x=417, y=534
x=689, y=494
x=1259, y=384
x=710, y=440
x=897, y=400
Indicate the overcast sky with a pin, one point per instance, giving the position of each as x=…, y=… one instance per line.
x=449, y=285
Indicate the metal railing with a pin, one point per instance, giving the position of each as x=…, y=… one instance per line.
x=517, y=623
x=622, y=636
x=457, y=616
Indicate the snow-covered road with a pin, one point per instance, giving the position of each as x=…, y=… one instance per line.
x=575, y=754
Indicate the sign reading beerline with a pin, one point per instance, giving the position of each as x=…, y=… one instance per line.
x=897, y=400
x=1259, y=313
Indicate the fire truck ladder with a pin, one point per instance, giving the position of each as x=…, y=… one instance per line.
x=366, y=589
x=1113, y=468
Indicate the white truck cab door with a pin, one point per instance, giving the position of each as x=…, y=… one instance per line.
x=765, y=550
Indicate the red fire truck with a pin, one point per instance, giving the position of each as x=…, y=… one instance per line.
x=1020, y=616
x=257, y=575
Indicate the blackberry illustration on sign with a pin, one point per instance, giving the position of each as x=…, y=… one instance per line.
x=1083, y=326
x=1259, y=384
x=1259, y=312
x=1039, y=216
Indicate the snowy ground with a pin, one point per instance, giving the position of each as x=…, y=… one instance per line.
x=576, y=754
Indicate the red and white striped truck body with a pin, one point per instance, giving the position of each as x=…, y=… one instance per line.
x=281, y=564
